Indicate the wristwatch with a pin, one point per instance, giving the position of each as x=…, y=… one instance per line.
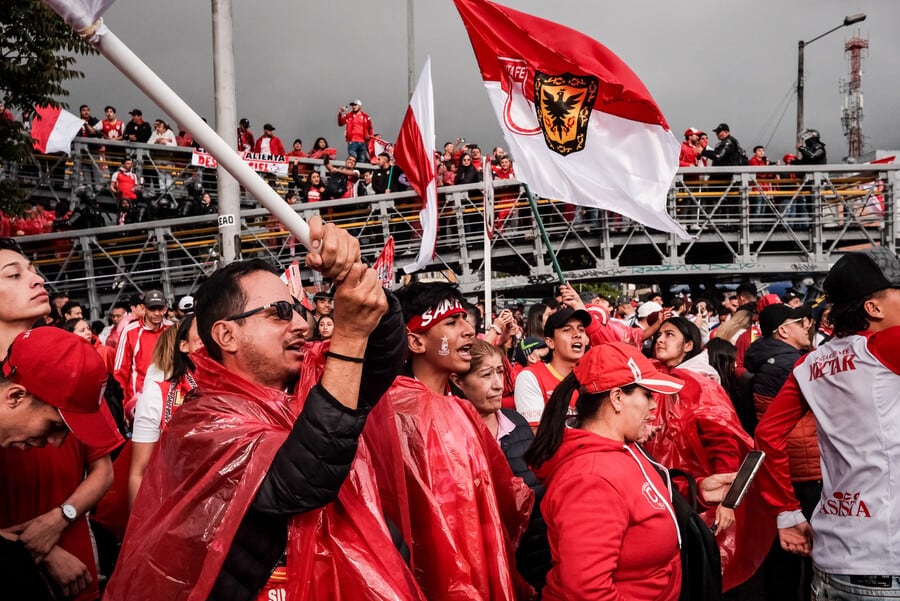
x=69, y=512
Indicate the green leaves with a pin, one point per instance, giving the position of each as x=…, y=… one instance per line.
x=37, y=55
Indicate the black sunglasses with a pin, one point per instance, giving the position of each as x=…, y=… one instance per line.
x=284, y=311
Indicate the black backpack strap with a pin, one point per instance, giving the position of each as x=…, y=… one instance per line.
x=693, y=492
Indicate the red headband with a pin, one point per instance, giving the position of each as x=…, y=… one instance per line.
x=430, y=318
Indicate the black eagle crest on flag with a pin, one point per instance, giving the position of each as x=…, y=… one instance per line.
x=564, y=104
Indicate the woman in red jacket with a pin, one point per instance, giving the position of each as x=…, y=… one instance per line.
x=610, y=521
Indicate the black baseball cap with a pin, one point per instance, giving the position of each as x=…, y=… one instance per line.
x=775, y=315
x=722, y=127
x=562, y=317
x=859, y=274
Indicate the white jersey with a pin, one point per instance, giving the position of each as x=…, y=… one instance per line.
x=856, y=402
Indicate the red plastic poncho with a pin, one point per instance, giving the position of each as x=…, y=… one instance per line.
x=445, y=482
x=204, y=473
x=700, y=433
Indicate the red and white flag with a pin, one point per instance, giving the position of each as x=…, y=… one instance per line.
x=384, y=264
x=582, y=126
x=53, y=129
x=414, y=154
x=291, y=278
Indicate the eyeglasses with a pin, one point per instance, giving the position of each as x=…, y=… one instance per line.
x=284, y=310
x=797, y=320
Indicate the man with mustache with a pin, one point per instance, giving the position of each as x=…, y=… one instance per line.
x=266, y=440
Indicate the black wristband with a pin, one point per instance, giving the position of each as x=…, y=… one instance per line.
x=340, y=357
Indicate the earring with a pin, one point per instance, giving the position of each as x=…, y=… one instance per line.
x=445, y=347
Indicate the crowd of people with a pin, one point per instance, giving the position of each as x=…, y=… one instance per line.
x=222, y=447
x=369, y=168
x=148, y=191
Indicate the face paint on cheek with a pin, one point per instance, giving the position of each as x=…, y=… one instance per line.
x=445, y=347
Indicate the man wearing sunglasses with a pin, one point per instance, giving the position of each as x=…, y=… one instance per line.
x=268, y=440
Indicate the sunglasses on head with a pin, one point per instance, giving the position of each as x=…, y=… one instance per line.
x=284, y=310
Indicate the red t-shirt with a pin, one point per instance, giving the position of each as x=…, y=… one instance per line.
x=36, y=481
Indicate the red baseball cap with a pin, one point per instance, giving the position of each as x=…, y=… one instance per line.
x=692, y=131
x=63, y=370
x=616, y=364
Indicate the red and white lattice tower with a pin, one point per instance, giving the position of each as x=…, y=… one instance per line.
x=852, y=110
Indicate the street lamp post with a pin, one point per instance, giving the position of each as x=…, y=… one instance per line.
x=848, y=20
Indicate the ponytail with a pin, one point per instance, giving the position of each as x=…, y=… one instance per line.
x=553, y=423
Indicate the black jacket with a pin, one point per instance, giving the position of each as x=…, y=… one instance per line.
x=771, y=362
x=533, y=555
x=812, y=153
x=310, y=467
x=386, y=180
x=726, y=153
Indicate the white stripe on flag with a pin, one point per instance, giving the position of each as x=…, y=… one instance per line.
x=414, y=153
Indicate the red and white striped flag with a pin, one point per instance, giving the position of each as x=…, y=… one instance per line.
x=414, y=154
x=582, y=126
x=384, y=264
x=53, y=129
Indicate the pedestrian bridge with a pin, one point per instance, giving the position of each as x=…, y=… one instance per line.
x=766, y=224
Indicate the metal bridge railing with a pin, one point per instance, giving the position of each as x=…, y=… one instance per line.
x=741, y=223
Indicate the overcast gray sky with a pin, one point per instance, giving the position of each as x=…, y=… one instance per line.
x=704, y=61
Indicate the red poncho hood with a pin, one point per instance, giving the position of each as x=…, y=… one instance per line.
x=203, y=476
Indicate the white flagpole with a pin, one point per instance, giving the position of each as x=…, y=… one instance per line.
x=110, y=46
x=488, y=236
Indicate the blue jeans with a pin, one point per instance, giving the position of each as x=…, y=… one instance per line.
x=838, y=587
x=358, y=150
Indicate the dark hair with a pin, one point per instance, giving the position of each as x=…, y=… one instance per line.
x=721, y=358
x=384, y=154
x=551, y=302
x=690, y=332
x=67, y=308
x=316, y=143
x=549, y=435
x=418, y=297
x=757, y=147
x=473, y=311
x=83, y=106
x=69, y=325
x=317, y=335
x=108, y=107
x=97, y=327
x=747, y=290
x=298, y=141
x=220, y=296
x=850, y=317
x=533, y=323
x=181, y=362
x=121, y=305
x=11, y=244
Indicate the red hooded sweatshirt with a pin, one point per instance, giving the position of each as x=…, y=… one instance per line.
x=610, y=523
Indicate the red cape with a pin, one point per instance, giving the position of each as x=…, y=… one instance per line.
x=446, y=483
x=701, y=434
x=204, y=473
